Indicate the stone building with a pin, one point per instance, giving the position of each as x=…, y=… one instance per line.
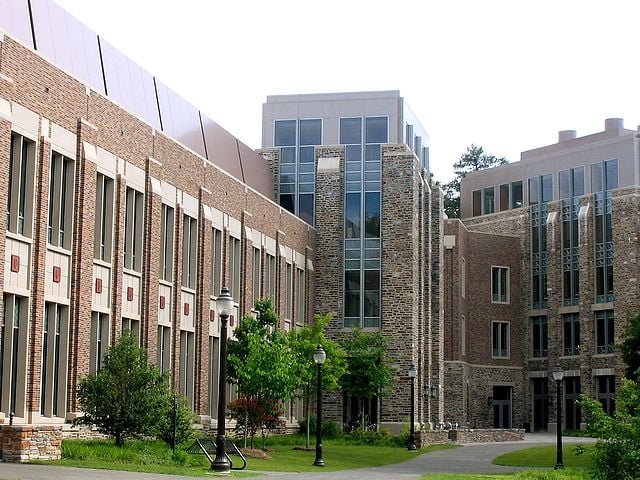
x=127, y=208
x=357, y=165
x=545, y=269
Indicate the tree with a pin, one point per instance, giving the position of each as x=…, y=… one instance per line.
x=263, y=364
x=367, y=375
x=304, y=342
x=472, y=160
x=630, y=348
x=127, y=396
x=617, y=453
x=184, y=419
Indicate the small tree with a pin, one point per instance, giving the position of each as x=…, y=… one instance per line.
x=127, y=396
x=184, y=418
x=303, y=342
x=472, y=160
x=630, y=348
x=368, y=375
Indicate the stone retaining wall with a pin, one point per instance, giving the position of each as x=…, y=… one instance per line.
x=486, y=436
x=22, y=443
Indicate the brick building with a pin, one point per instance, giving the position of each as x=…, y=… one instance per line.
x=127, y=208
x=545, y=268
x=357, y=164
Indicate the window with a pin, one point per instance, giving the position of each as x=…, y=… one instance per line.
x=189, y=251
x=288, y=292
x=285, y=133
x=13, y=356
x=234, y=268
x=270, y=276
x=352, y=215
x=166, y=242
x=164, y=348
x=216, y=262
x=500, y=339
x=352, y=298
x=134, y=209
x=571, y=330
x=571, y=186
x=133, y=326
x=463, y=335
x=187, y=366
x=605, y=340
x=53, y=392
x=214, y=358
x=540, y=192
x=606, y=387
x=376, y=130
x=100, y=329
x=21, y=171
x=61, y=201
x=573, y=415
x=604, y=178
x=483, y=201
x=350, y=131
x=500, y=284
x=510, y=195
x=300, y=298
x=539, y=335
x=463, y=278
x=255, y=277
x=477, y=202
x=103, y=232
x=311, y=132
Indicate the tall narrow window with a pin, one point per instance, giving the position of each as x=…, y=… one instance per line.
x=256, y=271
x=21, y=172
x=540, y=192
x=571, y=187
x=539, y=337
x=164, y=348
x=604, y=178
x=54, y=360
x=234, y=267
x=463, y=335
x=100, y=329
x=14, y=355
x=300, y=298
x=572, y=392
x=463, y=278
x=606, y=391
x=270, y=276
x=214, y=355
x=500, y=339
x=103, y=232
x=288, y=292
x=571, y=331
x=500, y=284
x=61, y=200
x=189, y=251
x=132, y=325
x=605, y=340
x=134, y=212
x=216, y=261
x=166, y=242
x=187, y=365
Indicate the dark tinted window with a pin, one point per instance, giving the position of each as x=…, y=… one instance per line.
x=310, y=132
x=372, y=215
x=350, y=130
x=376, y=130
x=352, y=216
x=285, y=134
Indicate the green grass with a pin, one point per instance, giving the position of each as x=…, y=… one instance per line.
x=546, y=457
x=156, y=457
x=529, y=475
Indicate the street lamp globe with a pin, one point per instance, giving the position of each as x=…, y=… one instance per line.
x=319, y=356
x=224, y=303
x=558, y=373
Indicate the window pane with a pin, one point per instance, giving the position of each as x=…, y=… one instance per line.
x=372, y=215
x=376, y=130
x=351, y=130
x=305, y=205
x=596, y=177
x=547, y=188
x=307, y=155
x=286, y=201
x=372, y=153
x=285, y=133
x=578, y=181
x=311, y=132
x=352, y=293
x=354, y=153
x=477, y=203
x=371, y=293
x=352, y=216
x=288, y=155
x=516, y=194
x=488, y=203
x=504, y=197
x=533, y=191
x=563, y=184
x=611, y=172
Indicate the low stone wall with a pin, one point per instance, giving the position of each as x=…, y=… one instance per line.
x=22, y=443
x=431, y=437
x=486, y=436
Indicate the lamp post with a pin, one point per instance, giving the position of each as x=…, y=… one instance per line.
x=413, y=373
x=319, y=356
x=224, y=305
x=558, y=375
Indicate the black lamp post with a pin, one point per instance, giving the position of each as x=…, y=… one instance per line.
x=319, y=356
x=413, y=373
x=224, y=305
x=558, y=375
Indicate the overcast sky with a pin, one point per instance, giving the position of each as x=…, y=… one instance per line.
x=506, y=75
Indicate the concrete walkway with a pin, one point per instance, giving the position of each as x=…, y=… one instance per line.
x=472, y=458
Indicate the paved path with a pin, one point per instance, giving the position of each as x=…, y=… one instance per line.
x=473, y=458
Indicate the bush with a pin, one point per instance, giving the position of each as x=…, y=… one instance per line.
x=330, y=428
x=184, y=421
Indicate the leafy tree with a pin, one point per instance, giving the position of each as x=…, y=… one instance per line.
x=263, y=364
x=304, y=342
x=630, y=348
x=617, y=453
x=127, y=396
x=367, y=375
x=472, y=160
x=184, y=420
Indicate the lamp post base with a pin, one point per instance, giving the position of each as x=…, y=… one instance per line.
x=221, y=462
x=558, y=466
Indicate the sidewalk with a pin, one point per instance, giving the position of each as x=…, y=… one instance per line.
x=472, y=458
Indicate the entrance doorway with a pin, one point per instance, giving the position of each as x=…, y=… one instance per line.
x=540, y=404
x=502, y=406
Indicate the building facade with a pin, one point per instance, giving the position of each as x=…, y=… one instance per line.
x=560, y=230
x=114, y=224
x=356, y=165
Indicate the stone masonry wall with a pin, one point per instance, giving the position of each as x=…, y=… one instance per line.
x=24, y=443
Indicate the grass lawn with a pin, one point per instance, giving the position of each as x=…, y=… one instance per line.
x=156, y=457
x=546, y=457
x=529, y=475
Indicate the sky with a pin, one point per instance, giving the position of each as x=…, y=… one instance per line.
x=504, y=75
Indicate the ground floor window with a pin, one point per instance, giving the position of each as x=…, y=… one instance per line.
x=540, y=404
x=55, y=354
x=606, y=386
x=572, y=415
x=133, y=326
x=214, y=354
x=13, y=355
x=100, y=328
x=164, y=348
x=187, y=365
x=502, y=406
x=359, y=411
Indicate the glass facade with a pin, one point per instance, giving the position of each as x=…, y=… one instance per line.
x=297, y=140
x=604, y=178
x=363, y=139
x=540, y=192
x=571, y=187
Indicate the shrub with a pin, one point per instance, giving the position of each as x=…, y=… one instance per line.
x=330, y=428
x=184, y=421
